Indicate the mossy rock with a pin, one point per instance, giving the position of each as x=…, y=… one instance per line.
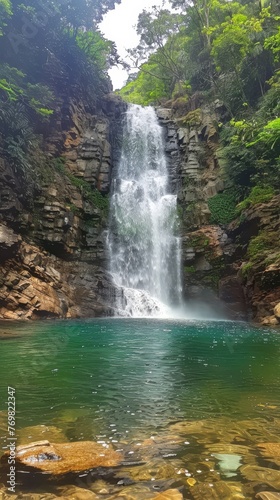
x=191, y=119
x=261, y=245
x=199, y=241
x=258, y=194
x=180, y=105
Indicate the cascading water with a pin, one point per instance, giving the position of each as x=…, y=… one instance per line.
x=144, y=250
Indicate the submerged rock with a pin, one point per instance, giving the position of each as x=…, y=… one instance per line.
x=270, y=451
x=63, y=458
x=268, y=495
x=169, y=495
x=261, y=475
x=155, y=470
x=76, y=493
x=219, y=490
x=41, y=432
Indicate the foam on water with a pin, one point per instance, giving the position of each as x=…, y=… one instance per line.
x=144, y=248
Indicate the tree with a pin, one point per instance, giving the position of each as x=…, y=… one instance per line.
x=161, y=38
x=84, y=13
x=5, y=12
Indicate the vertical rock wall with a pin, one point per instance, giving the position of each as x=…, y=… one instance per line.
x=208, y=251
x=52, y=249
x=235, y=268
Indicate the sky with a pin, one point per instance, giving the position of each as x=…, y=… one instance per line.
x=119, y=25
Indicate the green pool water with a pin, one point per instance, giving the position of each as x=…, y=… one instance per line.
x=122, y=380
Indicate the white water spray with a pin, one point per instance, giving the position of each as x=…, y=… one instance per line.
x=144, y=250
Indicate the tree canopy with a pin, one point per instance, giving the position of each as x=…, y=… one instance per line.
x=49, y=50
x=228, y=47
x=225, y=50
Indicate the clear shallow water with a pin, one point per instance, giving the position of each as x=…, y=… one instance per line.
x=140, y=374
x=123, y=380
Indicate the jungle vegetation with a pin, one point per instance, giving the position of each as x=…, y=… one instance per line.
x=226, y=51
x=49, y=50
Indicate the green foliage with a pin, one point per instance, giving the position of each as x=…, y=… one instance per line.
x=22, y=109
x=245, y=269
x=58, y=164
x=84, y=13
x=90, y=194
x=62, y=36
x=191, y=119
x=74, y=209
x=262, y=244
x=219, y=46
x=198, y=240
x=252, y=147
x=147, y=88
x=14, y=86
x=189, y=269
x=5, y=12
x=273, y=43
x=234, y=41
x=50, y=51
x=258, y=194
x=239, y=163
x=101, y=52
x=222, y=208
x=270, y=134
x=165, y=72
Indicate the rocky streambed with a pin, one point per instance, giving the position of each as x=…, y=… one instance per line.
x=190, y=459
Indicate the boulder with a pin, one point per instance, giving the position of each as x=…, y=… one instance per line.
x=9, y=242
x=277, y=311
x=164, y=113
x=60, y=459
x=269, y=320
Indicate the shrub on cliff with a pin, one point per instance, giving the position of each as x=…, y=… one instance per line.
x=222, y=207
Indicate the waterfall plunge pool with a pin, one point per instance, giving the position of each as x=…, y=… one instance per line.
x=194, y=394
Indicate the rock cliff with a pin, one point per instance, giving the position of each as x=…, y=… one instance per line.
x=52, y=247
x=52, y=252
x=234, y=267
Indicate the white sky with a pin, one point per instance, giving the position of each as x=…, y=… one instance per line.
x=119, y=26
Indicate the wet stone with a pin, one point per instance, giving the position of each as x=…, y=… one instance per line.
x=169, y=495
x=268, y=495
x=270, y=451
x=261, y=475
x=60, y=459
x=76, y=493
x=158, y=469
x=219, y=490
x=100, y=486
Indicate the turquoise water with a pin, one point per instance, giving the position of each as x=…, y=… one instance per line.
x=137, y=375
x=185, y=398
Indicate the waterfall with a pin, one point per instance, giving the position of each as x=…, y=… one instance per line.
x=144, y=247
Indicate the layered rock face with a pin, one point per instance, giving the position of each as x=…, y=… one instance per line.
x=218, y=268
x=52, y=248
